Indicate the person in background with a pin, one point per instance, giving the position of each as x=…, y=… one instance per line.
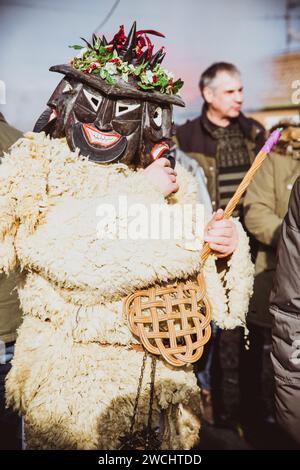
x=265, y=206
x=224, y=142
x=10, y=319
x=285, y=309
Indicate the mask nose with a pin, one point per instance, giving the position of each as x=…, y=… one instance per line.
x=105, y=116
x=105, y=127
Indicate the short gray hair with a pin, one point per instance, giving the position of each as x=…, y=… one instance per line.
x=211, y=72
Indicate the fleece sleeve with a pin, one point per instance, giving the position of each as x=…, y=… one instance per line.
x=23, y=186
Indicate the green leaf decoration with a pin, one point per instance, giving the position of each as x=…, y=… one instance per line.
x=96, y=56
x=77, y=47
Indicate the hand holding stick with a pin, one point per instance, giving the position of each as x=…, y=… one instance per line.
x=260, y=157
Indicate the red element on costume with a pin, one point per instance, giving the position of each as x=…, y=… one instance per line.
x=103, y=139
x=159, y=149
x=143, y=40
x=150, y=47
x=119, y=38
x=114, y=61
x=139, y=46
x=170, y=84
x=154, y=78
x=92, y=66
x=53, y=115
x=150, y=31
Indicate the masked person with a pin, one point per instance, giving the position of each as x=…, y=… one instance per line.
x=77, y=366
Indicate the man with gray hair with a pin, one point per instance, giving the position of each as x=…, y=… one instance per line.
x=222, y=139
x=224, y=142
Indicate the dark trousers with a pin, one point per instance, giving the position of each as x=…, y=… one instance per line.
x=257, y=383
x=10, y=422
x=218, y=371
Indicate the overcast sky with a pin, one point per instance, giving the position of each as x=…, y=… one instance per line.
x=35, y=34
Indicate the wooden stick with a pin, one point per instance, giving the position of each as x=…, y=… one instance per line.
x=260, y=157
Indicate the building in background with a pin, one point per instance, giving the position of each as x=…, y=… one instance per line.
x=282, y=99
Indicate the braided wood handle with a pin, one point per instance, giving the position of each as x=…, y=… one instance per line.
x=260, y=157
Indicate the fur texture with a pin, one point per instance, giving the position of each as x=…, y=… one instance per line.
x=74, y=376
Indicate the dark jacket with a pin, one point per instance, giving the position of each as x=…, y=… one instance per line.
x=194, y=139
x=285, y=308
x=265, y=206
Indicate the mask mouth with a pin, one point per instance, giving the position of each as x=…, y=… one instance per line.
x=98, y=146
x=100, y=138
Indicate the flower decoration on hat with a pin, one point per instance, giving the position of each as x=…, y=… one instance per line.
x=130, y=58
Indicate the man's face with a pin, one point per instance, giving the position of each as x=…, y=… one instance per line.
x=225, y=95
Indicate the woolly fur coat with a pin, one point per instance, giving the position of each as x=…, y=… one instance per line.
x=74, y=376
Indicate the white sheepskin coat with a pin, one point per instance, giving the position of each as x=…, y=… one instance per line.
x=74, y=377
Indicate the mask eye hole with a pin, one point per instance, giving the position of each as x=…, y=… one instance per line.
x=67, y=88
x=93, y=100
x=157, y=116
x=123, y=108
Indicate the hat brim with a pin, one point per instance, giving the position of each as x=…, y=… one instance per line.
x=120, y=88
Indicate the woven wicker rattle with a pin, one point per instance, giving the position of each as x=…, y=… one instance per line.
x=174, y=322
